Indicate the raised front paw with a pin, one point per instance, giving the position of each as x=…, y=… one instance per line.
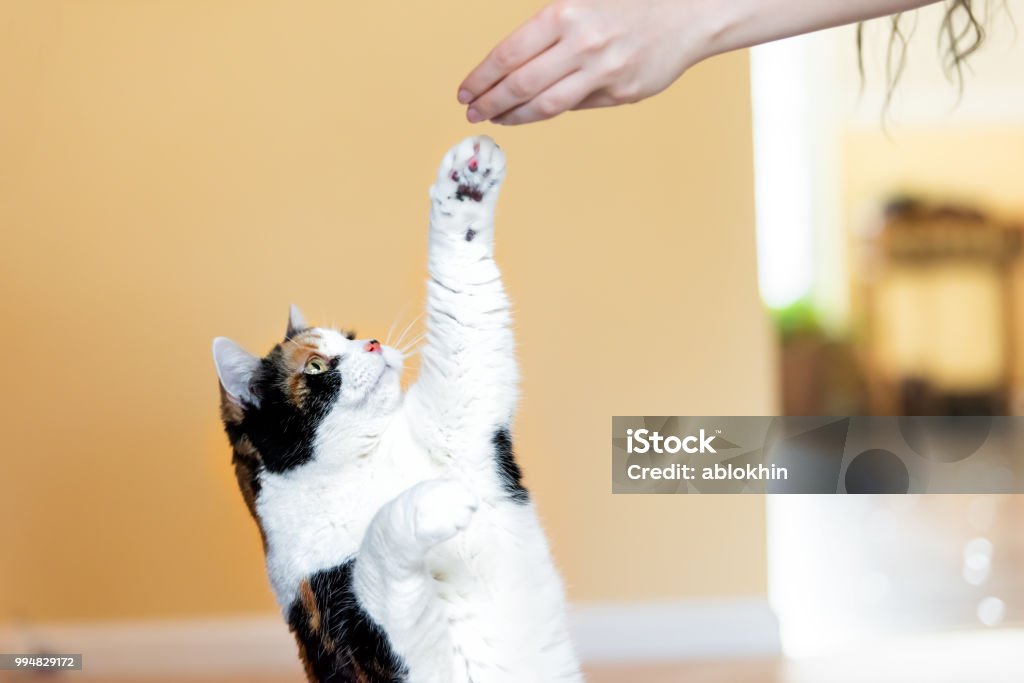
x=441, y=509
x=471, y=171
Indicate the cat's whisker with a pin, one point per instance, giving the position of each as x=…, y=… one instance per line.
x=414, y=342
x=394, y=322
x=412, y=353
x=408, y=327
x=403, y=336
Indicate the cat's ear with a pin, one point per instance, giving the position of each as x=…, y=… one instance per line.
x=296, y=322
x=235, y=368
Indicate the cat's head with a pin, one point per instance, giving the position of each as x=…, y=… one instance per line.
x=316, y=380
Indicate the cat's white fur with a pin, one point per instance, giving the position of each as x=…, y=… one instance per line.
x=458, y=575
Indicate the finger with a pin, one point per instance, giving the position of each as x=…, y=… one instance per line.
x=560, y=97
x=525, y=43
x=525, y=83
x=596, y=100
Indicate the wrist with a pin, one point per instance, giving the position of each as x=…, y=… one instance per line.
x=721, y=25
x=727, y=25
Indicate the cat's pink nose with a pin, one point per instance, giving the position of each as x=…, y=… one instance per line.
x=373, y=346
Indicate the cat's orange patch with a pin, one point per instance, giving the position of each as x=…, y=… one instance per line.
x=309, y=604
x=308, y=599
x=244, y=477
x=294, y=354
x=247, y=460
x=295, y=349
x=230, y=411
x=311, y=676
x=361, y=676
x=297, y=389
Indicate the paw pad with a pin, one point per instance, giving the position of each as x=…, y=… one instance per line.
x=471, y=170
x=471, y=191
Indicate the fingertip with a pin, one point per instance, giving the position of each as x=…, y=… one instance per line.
x=465, y=96
x=473, y=116
x=507, y=119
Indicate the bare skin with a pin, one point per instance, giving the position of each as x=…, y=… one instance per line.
x=580, y=54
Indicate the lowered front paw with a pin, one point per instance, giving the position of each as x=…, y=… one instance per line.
x=441, y=509
x=471, y=172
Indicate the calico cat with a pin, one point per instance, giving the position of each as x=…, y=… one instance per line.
x=400, y=541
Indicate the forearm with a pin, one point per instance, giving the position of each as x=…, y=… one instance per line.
x=735, y=24
x=468, y=372
x=468, y=362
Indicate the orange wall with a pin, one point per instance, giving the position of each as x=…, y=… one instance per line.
x=971, y=162
x=173, y=170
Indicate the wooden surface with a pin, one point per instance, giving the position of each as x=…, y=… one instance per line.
x=704, y=672
x=923, y=670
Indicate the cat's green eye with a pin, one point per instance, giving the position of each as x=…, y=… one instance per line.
x=315, y=366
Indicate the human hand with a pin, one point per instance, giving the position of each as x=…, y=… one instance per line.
x=578, y=54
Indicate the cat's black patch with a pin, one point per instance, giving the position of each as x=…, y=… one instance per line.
x=470, y=234
x=508, y=469
x=339, y=640
x=464, y=191
x=247, y=468
x=282, y=431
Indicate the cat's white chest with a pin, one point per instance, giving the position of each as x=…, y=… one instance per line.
x=315, y=516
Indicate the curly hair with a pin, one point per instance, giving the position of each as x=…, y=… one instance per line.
x=961, y=33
